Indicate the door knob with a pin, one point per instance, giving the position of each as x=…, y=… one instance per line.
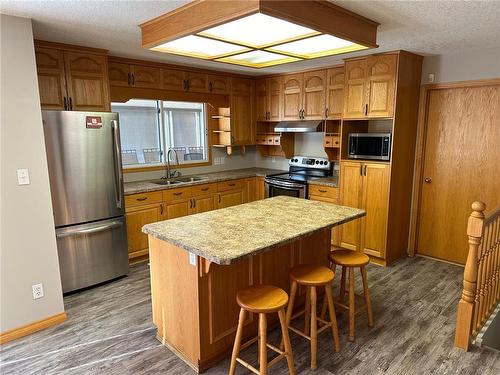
x=428, y=180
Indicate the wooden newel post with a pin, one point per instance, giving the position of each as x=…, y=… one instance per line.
x=466, y=305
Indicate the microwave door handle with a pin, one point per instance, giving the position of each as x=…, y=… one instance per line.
x=117, y=164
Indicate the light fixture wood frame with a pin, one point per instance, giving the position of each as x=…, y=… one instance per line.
x=320, y=15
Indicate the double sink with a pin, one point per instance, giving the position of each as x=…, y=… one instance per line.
x=165, y=181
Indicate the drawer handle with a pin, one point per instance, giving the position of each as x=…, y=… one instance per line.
x=231, y=184
x=180, y=193
x=141, y=199
x=322, y=191
x=276, y=140
x=327, y=142
x=204, y=189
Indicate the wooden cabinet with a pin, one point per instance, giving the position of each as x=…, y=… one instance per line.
x=261, y=100
x=119, y=74
x=136, y=218
x=241, y=104
x=72, y=79
x=334, y=92
x=304, y=96
x=128, y=75
x=370, y=86
x=219, y=84
x=268, y=99
x=230, y=198
x=327, y=194
x=196, y=82
x=366, y=186
x=177, y=208
x=173, y=80
x=292, y=97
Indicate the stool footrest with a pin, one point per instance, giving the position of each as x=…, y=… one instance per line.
x=279, y=351
x=248, y=343
x=273, y=361
x=247, y=365
x=299, y=332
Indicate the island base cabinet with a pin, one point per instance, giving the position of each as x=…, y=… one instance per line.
x=194, y=301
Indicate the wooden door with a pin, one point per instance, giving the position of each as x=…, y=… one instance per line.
x=461, y=164
x=274, y=97
x=197, y=82
x=203, y=204
x=147, y=77
x=261, y=100
x=335, y=93
x=87, y=81
x=381, y=83
x=230, y=198
x=314, y=89
x=375, y=201
x=119, y=74
x=242, y=125
x=219, y=84
x=136, y=218
x=292, y=96
x=177, y=209
x=354, y=89
x=351, y=182
x=173, y=80
x=51, y=78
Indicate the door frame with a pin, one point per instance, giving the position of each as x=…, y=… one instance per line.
x=420, y=148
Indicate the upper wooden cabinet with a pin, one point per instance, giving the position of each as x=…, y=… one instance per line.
x=70, y=79
x=127, y=75
x=268, y=99
x=370, y=86
x=173, y=80
x=242, y=115
x=304, y=96
x=196, y=82
x=334, y=92
x=292, y=96
x=219, y=84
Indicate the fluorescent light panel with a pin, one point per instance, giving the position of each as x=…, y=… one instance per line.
x=258, y=59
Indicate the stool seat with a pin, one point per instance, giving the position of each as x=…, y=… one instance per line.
x=349, y=258
x=262, y=298
x=312, y=275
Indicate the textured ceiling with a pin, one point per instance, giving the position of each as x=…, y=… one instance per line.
x=425, y=27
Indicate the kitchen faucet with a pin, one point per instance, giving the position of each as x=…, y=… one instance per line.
x=169, y=173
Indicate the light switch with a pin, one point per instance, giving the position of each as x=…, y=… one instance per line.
x=23, y=176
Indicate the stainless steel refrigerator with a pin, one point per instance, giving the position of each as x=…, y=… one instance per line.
x=86, y=184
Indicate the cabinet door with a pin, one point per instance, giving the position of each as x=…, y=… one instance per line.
x=146, y=77
x=51, y=77
x=381, y=83
x=335, y=93
x=375, y=201
x=242, y=126
x=173, y=80
x=203, y=204
x=87, y=81
x=119, y=74
x=177, y=209
x=136, y=219
x=230, y=198
x=292, y=96
x=354, y=90
x=274, y=97
x=261, y=100
x=351, y=183
x=197, y=82
x=219, y=84
x=314, y=95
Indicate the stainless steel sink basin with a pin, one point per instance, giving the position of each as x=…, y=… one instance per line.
x=189, y=179
x=166, y=182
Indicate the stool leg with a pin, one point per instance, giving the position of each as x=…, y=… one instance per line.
x=352, y=311
x=262, y=344
x=314, y=334
x=333, y=318
x=342, y=285
x=286, y=342
x=307, y=315
x=289, y=310
x=367, y=297
x=237, y=341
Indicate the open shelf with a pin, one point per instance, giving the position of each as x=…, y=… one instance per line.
x=271, y=143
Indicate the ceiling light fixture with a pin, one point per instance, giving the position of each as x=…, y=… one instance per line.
x=259, y=33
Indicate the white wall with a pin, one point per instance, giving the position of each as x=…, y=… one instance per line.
x=28, y=253
x=463, y=66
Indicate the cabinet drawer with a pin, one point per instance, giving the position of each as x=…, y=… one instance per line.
x=261, y=140
x=143, y=198
x=276, y=140
x=270, y=140
x=174, y=194
x=203, y=189
x=230, y=185
x=324, y=191
x=331, y=141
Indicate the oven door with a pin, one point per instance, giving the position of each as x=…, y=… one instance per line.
x=291, y=189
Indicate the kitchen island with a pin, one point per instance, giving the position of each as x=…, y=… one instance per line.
x=199, y=262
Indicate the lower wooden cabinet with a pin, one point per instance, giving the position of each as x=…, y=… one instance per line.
x=230, y=198
x=136, y=218
x=327, y=194
x=177, y=208
x=366, y=186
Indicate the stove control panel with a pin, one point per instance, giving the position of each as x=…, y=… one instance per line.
x=309, y=162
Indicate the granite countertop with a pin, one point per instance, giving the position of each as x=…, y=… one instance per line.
x=146, y=186
x=332, y=181
x=227, y=235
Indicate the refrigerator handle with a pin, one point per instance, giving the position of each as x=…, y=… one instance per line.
x=94, y=229
x=117, y=164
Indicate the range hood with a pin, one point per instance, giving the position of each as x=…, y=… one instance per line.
x=298, y=126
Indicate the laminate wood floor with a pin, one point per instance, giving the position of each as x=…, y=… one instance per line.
x=109, y=331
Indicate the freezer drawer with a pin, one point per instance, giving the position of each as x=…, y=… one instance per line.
x=92, y=253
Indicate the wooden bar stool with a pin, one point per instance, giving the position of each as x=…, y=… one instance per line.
x=312, y=277
x=348, y=260
x=262, y=300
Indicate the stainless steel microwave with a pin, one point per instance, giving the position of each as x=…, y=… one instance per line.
x=373, y=146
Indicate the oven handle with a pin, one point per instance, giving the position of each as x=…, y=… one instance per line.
x=285, y=185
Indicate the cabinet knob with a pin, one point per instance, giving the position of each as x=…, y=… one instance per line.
x=428, y=180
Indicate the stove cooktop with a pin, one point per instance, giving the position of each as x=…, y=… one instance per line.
x=302, y=169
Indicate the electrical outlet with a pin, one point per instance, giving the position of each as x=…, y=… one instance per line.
x=430, y=78
x=37, y=291
x=192, y=259
x=23, y=176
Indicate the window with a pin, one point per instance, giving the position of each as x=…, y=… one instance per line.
x=148, y=128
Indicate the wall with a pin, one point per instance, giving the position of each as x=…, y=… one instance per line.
x=463, y=66
x=28, y=253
